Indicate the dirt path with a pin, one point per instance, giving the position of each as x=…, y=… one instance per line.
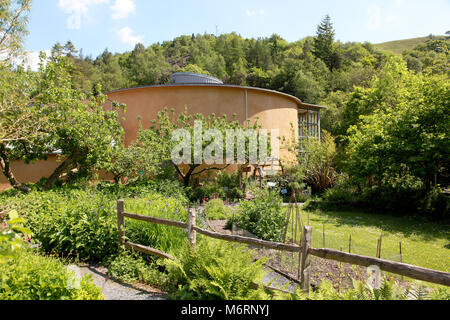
x=113, y=290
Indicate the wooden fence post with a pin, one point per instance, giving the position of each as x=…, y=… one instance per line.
x=401, y=255
x=121, y=223
x=192, y=234
x=323, y=237
x=305, y=270
x=350, y=244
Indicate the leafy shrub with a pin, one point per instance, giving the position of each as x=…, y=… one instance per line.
x=218, y=271
x=208, y=190
x=262, y=216
x=216, y=210
x=32, y=277
x=229, y=183
x=225, y=186
x=399, y=198
x=130, y=267
x=12, y=236
x=389, y=290
x=82, y=223
x=71, y=223
x=318, y=160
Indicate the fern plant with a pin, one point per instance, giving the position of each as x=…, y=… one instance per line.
x=217, y=271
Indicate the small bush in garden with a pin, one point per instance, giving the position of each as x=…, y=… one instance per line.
x=13, y=235
x=216, y=210
x=397, y=195
x=218, y=271
x=262, y=216
x=229, y=183
x=72, y=223
x=208, y=190
x=82, y=223
x=130, y=267
x=29, y=276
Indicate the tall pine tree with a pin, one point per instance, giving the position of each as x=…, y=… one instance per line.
x=324, y=45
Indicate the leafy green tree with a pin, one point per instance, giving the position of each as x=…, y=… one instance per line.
x=46, y=115
x=155, y=145
x=324, y=46
x=385, y=91
x=13, y=27
x=78, y=126
x=409, y=136
x=147, y=66
x=431, y=57
x=21, y=120
x=109, y=74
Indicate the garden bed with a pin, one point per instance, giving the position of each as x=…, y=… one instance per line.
x=340, y=274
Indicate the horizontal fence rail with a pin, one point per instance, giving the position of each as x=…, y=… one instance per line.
x=407, y=270
x=251, y=241
x=231, y=238
x=164, y=222
x=148, y=250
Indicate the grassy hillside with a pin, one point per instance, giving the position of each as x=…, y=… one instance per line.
x=399, y=46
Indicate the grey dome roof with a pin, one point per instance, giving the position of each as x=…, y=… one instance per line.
x=192, y=78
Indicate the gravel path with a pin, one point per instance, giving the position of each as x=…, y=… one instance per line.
x=113, y=290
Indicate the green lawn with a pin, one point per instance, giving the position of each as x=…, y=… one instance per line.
x=424, y=243
x=407, y=44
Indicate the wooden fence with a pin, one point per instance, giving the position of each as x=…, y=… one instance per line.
x=305, y=250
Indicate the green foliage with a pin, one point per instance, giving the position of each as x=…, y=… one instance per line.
x=46, y=114
x=317, y=159
x=216, y=210
x=417, y=113
x=389, y=290
x=29, y=276
x=229, y=183
x=157, y=146
x=81, y=223
x=13, y=27
x=402, y=196
x=262, y=216
x=12, y=236
x=218, y=271
x=130, y=267
x=440, y=293
x=324, y=46
x=430, y=57
x=71, y=223
x=164, y=238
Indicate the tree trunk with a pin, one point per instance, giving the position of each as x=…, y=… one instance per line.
x=64, y=167
x=6, y=169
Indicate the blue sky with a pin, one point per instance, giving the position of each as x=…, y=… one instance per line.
x=119, y=24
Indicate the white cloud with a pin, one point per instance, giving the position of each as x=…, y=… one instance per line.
x=126, y=36
x=77, y=9
x=251, y=13
x=399, y=3
x=122, y=9
x=373, y=17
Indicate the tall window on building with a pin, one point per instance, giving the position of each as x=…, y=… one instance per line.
x=309, y=124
